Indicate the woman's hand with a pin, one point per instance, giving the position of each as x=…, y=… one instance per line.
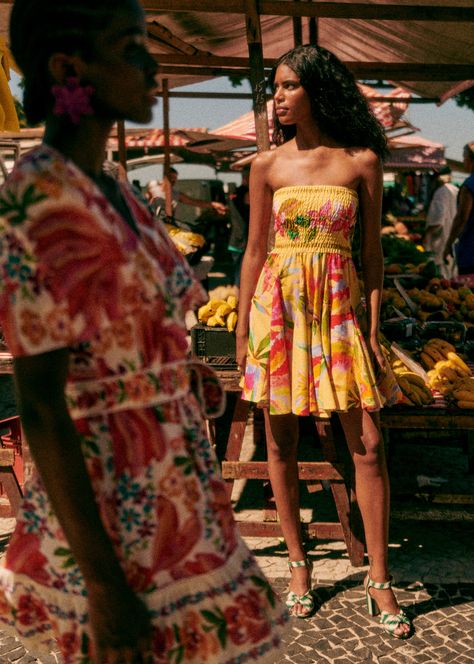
x=380, y=361
x=120, y=626
x=242, y=342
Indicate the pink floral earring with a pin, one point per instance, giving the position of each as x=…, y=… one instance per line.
x=73, y=99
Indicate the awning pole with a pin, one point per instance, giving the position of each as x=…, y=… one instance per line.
x=257, y=74
x=297, y=29
x=166, y=146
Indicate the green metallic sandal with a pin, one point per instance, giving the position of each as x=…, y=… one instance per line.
x=307, y=600
x=389, y=621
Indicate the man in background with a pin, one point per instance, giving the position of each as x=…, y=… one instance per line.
x=157, y=197
x=439, y=218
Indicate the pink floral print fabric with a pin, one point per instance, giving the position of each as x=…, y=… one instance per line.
x=73, y=274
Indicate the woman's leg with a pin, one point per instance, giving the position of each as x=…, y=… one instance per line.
x=282, y=442
x=365, y=442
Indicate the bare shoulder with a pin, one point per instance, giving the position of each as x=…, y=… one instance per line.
x=367, y=161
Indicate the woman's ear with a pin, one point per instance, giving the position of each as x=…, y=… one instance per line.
x=62, y=66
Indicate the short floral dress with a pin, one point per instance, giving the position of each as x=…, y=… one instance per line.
x=307, y=353
x=74, y=274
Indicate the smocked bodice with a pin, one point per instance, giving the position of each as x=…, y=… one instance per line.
x=314, y=217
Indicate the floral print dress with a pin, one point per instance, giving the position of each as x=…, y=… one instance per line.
x=307, y=353
x=74, y=274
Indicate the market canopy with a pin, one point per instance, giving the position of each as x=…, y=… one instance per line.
x=377, y=39
x=425, y=47
x=387, y=113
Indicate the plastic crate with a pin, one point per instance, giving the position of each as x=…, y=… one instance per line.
x=214, y=345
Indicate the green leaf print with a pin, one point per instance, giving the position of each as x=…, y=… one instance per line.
x=85, y=644
x=65, y=553
x=186, y=463
x=217, y=622
x=176, y=655
x=17, y=209
x=263, y=350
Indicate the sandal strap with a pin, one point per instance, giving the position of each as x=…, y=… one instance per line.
x=385, y=585
x=305, y=600
x=391, y=620
x=299, y=563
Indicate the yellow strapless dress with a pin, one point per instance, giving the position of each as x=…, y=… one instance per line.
x=307, y=353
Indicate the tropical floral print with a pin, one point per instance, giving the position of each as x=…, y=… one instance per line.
x=73, y=274
x=307, y=353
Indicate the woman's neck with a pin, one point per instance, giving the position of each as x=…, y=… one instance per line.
x=85, y=144
x=311, y=137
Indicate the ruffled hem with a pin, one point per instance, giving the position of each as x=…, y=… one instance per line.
x=307, y=353
x=232, y=613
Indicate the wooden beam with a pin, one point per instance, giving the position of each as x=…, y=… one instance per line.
x=346, y=10
x=247, y=95
x=398, y=71
x=257, y=75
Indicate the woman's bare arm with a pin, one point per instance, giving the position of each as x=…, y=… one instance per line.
x=257, y=247
x=55, y=447
x=370, y=196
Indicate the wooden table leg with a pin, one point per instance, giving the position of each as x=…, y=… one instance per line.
x=236, y=437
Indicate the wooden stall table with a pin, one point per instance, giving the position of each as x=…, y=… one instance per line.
x=438, y=417
x=12, y=451
x=339, y=475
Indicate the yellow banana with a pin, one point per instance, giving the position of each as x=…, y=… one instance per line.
x=231, y=321
x=463, y=395
x=443, y=345
x=466, y=404
x=232, y=301
x=414, y=379
x=423, y=393
x=213, y=322
x=427, y=360
x=222, y=312
x=434, y=352
x=209, y=309
x=444, y=369
x=460, y=363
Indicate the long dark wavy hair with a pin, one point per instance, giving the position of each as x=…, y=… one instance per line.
x=339, y=107
x=39, y=28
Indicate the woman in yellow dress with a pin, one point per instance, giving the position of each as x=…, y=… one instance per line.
x=299, y=337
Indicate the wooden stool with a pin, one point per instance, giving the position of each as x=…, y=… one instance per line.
x=337, y=474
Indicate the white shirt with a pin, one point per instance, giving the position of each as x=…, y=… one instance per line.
x=441, y=213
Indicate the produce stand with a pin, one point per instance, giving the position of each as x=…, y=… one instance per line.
x=12, y=453
x=436, y=417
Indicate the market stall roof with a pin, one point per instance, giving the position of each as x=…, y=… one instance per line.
x=414, y=153
x=388, y=114
x=378, y=39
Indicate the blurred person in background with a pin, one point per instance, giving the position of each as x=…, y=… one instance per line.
x=157, y=195
x=461, y=239
x=439, y=218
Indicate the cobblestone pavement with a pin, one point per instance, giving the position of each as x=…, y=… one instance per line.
x=431, y=558
x=434, y=580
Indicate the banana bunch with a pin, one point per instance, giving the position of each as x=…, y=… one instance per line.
x=445, y=367
x=219, y=313
x=414, y=388
x=463, y=392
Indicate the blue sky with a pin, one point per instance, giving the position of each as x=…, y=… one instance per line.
x=448, y=124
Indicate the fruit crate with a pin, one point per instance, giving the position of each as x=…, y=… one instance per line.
x=214, y=345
